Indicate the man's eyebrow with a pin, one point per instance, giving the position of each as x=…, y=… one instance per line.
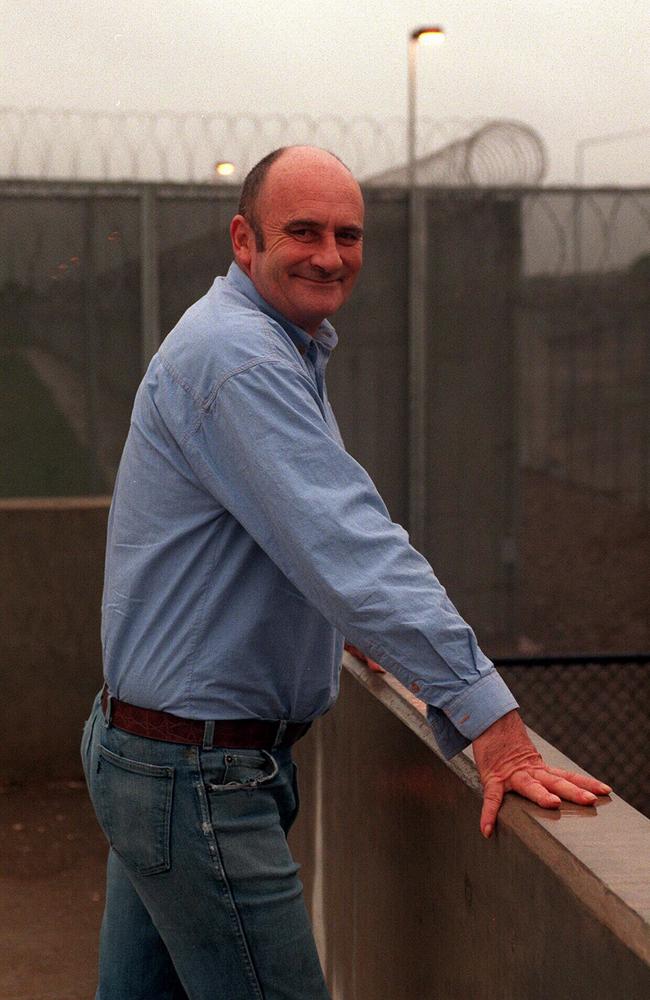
x=313, y=224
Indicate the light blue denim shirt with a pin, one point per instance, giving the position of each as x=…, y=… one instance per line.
x=244, y=542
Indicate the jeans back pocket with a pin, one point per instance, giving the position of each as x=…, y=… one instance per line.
x=134, y=804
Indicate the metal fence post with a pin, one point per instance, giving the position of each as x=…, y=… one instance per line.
x=91, y=334
x=417, y=364
x=149, y=275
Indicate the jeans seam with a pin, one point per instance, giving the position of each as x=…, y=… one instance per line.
x=217, y=860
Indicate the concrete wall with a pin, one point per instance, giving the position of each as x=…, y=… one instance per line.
x=409, y=901
x=51, y=564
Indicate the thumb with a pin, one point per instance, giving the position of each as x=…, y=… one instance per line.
x=493, y=792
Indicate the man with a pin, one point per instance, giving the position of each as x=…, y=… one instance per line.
x=243, y=544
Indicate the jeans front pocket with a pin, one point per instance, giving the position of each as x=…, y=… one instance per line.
x=242, y=769
x=134, y=804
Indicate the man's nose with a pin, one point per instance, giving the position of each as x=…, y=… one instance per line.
x=326, y=256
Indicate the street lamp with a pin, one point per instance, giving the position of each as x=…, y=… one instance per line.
x=417, y=319
x=224, y=168
x=425, y=36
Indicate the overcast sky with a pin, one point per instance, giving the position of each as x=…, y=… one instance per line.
x=571, y=69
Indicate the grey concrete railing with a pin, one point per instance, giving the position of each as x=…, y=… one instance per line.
x=409, y=901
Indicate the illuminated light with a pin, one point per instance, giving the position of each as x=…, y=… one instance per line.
x=75, y=261
x=63, y=266
x=114, y=236
x=224, y=168
x=434, y=35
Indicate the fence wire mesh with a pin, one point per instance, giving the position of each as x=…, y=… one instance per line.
x=597, y=713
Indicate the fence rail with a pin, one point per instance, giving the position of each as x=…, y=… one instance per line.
x=573, y=660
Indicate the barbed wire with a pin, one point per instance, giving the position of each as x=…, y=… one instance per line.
x=58, y=144
x=496, y=153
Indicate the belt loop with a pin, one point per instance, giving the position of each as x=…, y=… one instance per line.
x=208, y=735
x=108, y=715
x=279, y=736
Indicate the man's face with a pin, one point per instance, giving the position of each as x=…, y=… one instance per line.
x=310, y=211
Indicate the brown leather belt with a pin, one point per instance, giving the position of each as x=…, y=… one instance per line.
x=235, y=733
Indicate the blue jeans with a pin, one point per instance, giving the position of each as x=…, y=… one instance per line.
x=203, y=898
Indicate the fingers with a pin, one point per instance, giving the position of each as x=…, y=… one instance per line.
x=530, y=777
x=493, y=793
x=529, y=785
x=582, y=781
x=566, y=789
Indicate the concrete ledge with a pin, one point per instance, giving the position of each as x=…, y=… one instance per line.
x=28, y=504
x=409, y=901
x=605, y=863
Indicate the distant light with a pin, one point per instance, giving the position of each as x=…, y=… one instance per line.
x=433, y=35
x=63, y=267
x=75, y=260
x=114, y=236
x=224, y=168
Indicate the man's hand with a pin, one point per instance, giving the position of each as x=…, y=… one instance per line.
x=508, y=762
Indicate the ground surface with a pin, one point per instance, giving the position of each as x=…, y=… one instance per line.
x=52, y=857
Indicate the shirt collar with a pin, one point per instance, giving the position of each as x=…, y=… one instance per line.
x=325, y=336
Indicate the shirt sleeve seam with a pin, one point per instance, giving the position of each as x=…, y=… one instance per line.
x=180, y=379
x=470, y=690
x=204, y=409
x=242, y=369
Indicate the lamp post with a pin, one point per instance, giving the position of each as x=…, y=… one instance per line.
x=417, y=318
x=579, y=179
x=599, y=140
x=425, y=36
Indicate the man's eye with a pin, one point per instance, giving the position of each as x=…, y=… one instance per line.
x=302, y=234
x=349, y=238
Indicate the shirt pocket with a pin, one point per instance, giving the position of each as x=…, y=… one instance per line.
x=134, y=808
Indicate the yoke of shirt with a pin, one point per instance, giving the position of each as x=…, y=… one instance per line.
x=233, y=328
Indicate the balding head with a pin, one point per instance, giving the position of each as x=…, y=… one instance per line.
x=298, y=233
x=308, y=156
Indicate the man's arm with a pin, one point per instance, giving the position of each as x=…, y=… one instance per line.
x=508, y=762
x=263, y=449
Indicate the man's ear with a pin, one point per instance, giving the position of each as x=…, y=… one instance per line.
x=242, y=237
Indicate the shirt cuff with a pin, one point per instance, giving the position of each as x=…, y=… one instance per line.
x=470, y=713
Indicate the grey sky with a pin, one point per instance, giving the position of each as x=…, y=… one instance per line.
x=570, y=68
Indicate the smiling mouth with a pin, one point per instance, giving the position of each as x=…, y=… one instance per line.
x=319, y=281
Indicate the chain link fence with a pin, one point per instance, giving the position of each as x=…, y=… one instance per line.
x=595, y=709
